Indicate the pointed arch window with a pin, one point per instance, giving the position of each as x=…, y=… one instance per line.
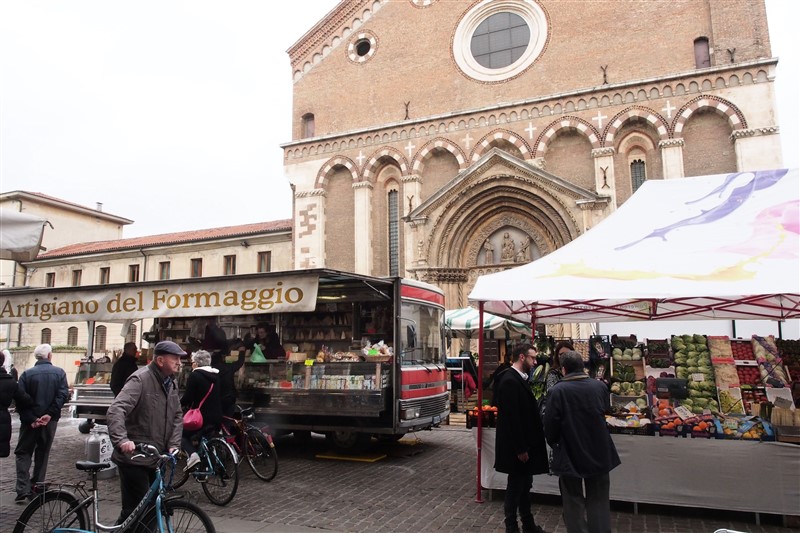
x=638, y=173
x=394, y=233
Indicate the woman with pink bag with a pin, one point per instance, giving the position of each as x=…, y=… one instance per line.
x=202, y=392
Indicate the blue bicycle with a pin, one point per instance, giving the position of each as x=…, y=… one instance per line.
x=64, y=508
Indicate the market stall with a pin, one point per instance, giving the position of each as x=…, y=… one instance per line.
x=464, y=324
x=710, y=247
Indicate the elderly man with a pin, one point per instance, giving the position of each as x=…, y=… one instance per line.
x=47, y=386
x=147, y=410
x=583, y=452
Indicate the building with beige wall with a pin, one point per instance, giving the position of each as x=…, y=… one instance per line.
x=68, y=222
x=244, y=249
x=444, y=140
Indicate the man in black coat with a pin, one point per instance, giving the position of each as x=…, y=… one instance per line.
x=583, y=452
x=520, y=447
x=123, y=368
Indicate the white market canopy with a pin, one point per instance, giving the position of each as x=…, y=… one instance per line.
x=708, y=247
x=20, y=235
x=464, y=323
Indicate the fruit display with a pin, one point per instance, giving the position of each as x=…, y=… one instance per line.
x=626, y=354
x=582, y=347
x=658, y=348
x=742, y=350
x=720, y=348
x=730, y=401
x=749, y=376
x=751, y=397
x=726, y=375
x=789, y=351
x=625, y=388
x=746, y=428
x=488, y=415
x=627, y=372
x=769, y=362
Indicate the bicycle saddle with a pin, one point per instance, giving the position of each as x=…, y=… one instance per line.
x=91, y=466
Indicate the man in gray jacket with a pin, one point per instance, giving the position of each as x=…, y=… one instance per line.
x=147, y=410
x=47, y=386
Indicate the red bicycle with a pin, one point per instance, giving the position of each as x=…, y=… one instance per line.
x=254, y=444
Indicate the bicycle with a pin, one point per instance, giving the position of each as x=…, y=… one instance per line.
x=254, y=444
x=217, y=472
x=65, y=508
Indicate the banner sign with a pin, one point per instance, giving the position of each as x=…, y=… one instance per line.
x=231, y=297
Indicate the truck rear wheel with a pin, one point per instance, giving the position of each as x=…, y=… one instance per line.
x=349, y=441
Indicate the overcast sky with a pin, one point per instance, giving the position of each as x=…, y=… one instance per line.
x=171, y=113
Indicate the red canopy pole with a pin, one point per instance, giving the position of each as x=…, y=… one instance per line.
x=478, y=496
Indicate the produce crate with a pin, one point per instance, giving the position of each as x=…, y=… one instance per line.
x=742, y=350
x=638, y=370
x=620, y=402
x=725, y=429
x=646, y=430
x=658, y=348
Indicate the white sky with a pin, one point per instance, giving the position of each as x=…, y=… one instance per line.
x=171, y=112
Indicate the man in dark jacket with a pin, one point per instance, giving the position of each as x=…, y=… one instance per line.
x=217, y=343
x=123, y=368
x=47, y=386
x=9, y=391
x=583, y=452
x=520, y=447
x=147, y=410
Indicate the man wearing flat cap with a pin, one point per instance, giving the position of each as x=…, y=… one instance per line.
x=147, y=410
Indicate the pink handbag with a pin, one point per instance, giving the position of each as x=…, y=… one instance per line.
x=193, y=418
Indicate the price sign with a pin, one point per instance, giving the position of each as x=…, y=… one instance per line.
x=698, y=377
x=309, y=362
x=683, y=412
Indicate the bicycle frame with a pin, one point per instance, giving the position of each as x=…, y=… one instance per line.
x=155, y=494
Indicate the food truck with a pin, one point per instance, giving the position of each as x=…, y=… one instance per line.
x=365, y=355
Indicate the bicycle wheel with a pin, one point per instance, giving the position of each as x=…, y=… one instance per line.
x=262, y=458
x=180, y=477
x=51, y=509
x=221, y=485
x=184, y=516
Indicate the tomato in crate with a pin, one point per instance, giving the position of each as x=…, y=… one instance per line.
x=742, y=350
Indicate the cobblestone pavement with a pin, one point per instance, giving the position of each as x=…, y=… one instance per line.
x=427, y=484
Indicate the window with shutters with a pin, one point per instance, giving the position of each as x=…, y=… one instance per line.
x=197, y=268
x=265, y=261
x=72, y=336
x=100, y=339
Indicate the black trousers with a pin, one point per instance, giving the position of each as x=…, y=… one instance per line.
x=518, y=499
x=33, y=445
x=134, y=481
x=589, y=513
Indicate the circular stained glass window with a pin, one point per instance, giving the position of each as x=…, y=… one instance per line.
x=500, y=40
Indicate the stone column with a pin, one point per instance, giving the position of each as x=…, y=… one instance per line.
x=413, y=235
x=362, y=230
x=309, y=229
x=604, y=176
x=757, y=148
x=672, y=158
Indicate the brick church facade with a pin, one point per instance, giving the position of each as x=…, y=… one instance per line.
x=442, y=140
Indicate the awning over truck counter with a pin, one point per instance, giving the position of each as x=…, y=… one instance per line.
x=233, y=296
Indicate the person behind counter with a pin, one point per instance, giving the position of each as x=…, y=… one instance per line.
x=123, y=368
x=269, y=342
x=217, y=343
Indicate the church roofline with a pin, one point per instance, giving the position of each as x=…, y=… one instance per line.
x=531, y=101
